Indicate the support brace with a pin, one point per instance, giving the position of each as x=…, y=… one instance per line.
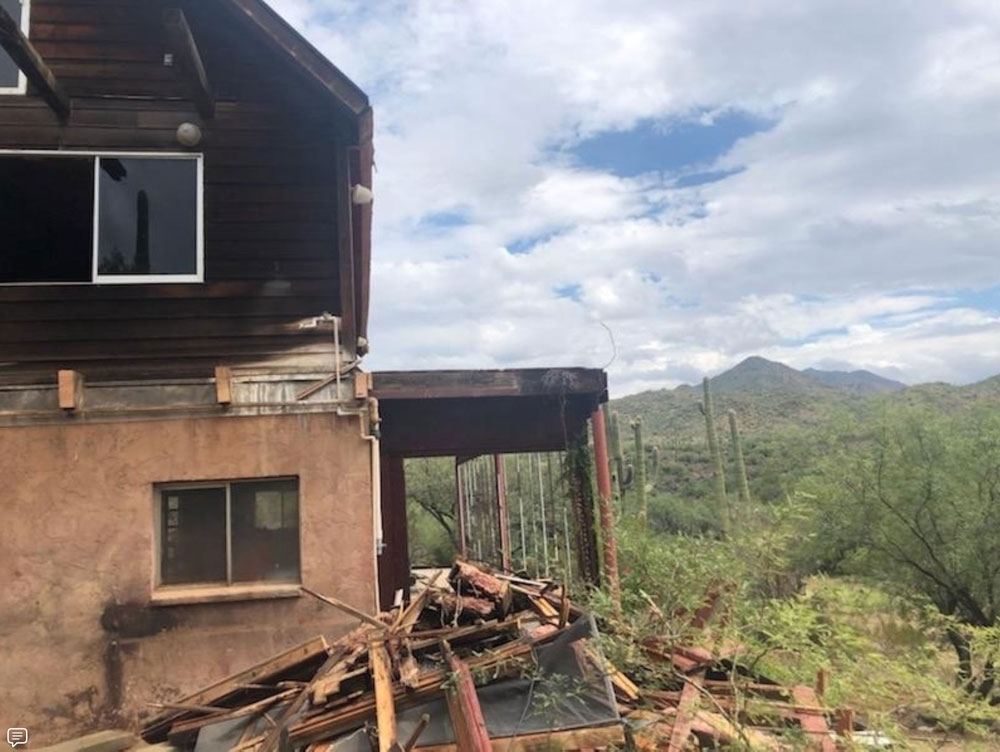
x=26, y=57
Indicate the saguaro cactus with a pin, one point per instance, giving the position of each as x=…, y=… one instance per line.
x=640, y=470
x=741, y=468
x=718, y=471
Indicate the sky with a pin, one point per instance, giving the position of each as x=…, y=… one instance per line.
x=666, y=188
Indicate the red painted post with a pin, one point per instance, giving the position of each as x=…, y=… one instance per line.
x=609, y=544
x=500, y=474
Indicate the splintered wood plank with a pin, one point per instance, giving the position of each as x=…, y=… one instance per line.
x=464, y=708
x=813, y=724
x=345, y=607
x=624, y=687
x=156, y=728
x=385, y=708
x=686, y=709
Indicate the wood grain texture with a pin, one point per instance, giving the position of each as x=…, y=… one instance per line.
x=271, y=197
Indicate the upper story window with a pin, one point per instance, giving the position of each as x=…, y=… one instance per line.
x=110, y=218
x=12, y=80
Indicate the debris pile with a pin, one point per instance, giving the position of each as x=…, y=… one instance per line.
x=485, y=661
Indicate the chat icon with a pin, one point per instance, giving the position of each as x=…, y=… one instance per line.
x=17, y=736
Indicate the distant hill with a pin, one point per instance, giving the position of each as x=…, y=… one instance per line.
x=761, y=375
x=769, y=396
x=859, y=382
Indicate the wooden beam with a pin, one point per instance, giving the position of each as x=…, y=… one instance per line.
x=464, y=708
x=26, y=57
x=157, y=728
x=686, y=709
x=425, y=719
x=517, y=382
x=185, y=50
x=345, y=249
x=385, y=708
x=223, y=385
x=70, y=390
x=345, y=607
x=366, y=162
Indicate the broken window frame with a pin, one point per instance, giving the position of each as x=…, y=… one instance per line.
x=161, y=490
x=22, y=80
x=128, y=279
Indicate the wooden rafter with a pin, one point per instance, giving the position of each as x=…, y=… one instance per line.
x=186, y=51
x=26, y=57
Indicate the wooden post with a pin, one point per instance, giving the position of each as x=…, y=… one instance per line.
x=608, y=542
x=26, y=57
x=584, y=524
x=70, y=390
x=844, y=721
x=504, y=520
x=186, y=49
x=460, y=503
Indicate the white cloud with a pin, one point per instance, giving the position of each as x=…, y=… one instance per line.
x=845, y=237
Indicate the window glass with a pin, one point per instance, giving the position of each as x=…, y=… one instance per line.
x=46, y=218
x=147, y=217
x=9, y=73
x=193, y=544
x=265, y=529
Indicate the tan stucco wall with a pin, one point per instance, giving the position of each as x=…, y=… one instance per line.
x=77, y=535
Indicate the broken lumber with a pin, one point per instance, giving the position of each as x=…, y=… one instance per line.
x=385, y=708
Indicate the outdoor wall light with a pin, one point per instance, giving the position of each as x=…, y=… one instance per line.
x=361, y=195
x=188, y=134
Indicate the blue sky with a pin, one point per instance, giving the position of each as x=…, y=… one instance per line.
x=817, y=184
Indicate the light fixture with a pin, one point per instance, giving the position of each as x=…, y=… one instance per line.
x=361, y=195
x=188, y=134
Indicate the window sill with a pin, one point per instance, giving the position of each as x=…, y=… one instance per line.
x=183, y=595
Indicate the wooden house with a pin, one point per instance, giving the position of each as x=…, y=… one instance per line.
x=186, y=435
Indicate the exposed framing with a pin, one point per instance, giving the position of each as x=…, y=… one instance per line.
x=159, y=493
x=128, y=279
x=22, y=80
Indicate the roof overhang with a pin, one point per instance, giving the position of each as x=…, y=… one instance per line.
x=312, y=64
x=460, y=413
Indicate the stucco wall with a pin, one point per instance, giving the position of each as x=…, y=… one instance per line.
x=77, y=536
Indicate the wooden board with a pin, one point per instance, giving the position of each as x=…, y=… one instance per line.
x=156, y=728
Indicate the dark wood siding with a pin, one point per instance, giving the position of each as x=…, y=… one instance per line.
x=270, y=199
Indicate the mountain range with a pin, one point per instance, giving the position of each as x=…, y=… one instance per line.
x=768, y=395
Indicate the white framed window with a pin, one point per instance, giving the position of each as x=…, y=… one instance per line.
x=228, y=533
x=101, y=217
x=12, y=79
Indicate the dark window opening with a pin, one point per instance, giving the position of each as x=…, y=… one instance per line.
x=10, y=75
x=147, y=226
x=240, y=532
x=46, y=219
x=147, y=217
x=193, y=545
x=266, y=531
